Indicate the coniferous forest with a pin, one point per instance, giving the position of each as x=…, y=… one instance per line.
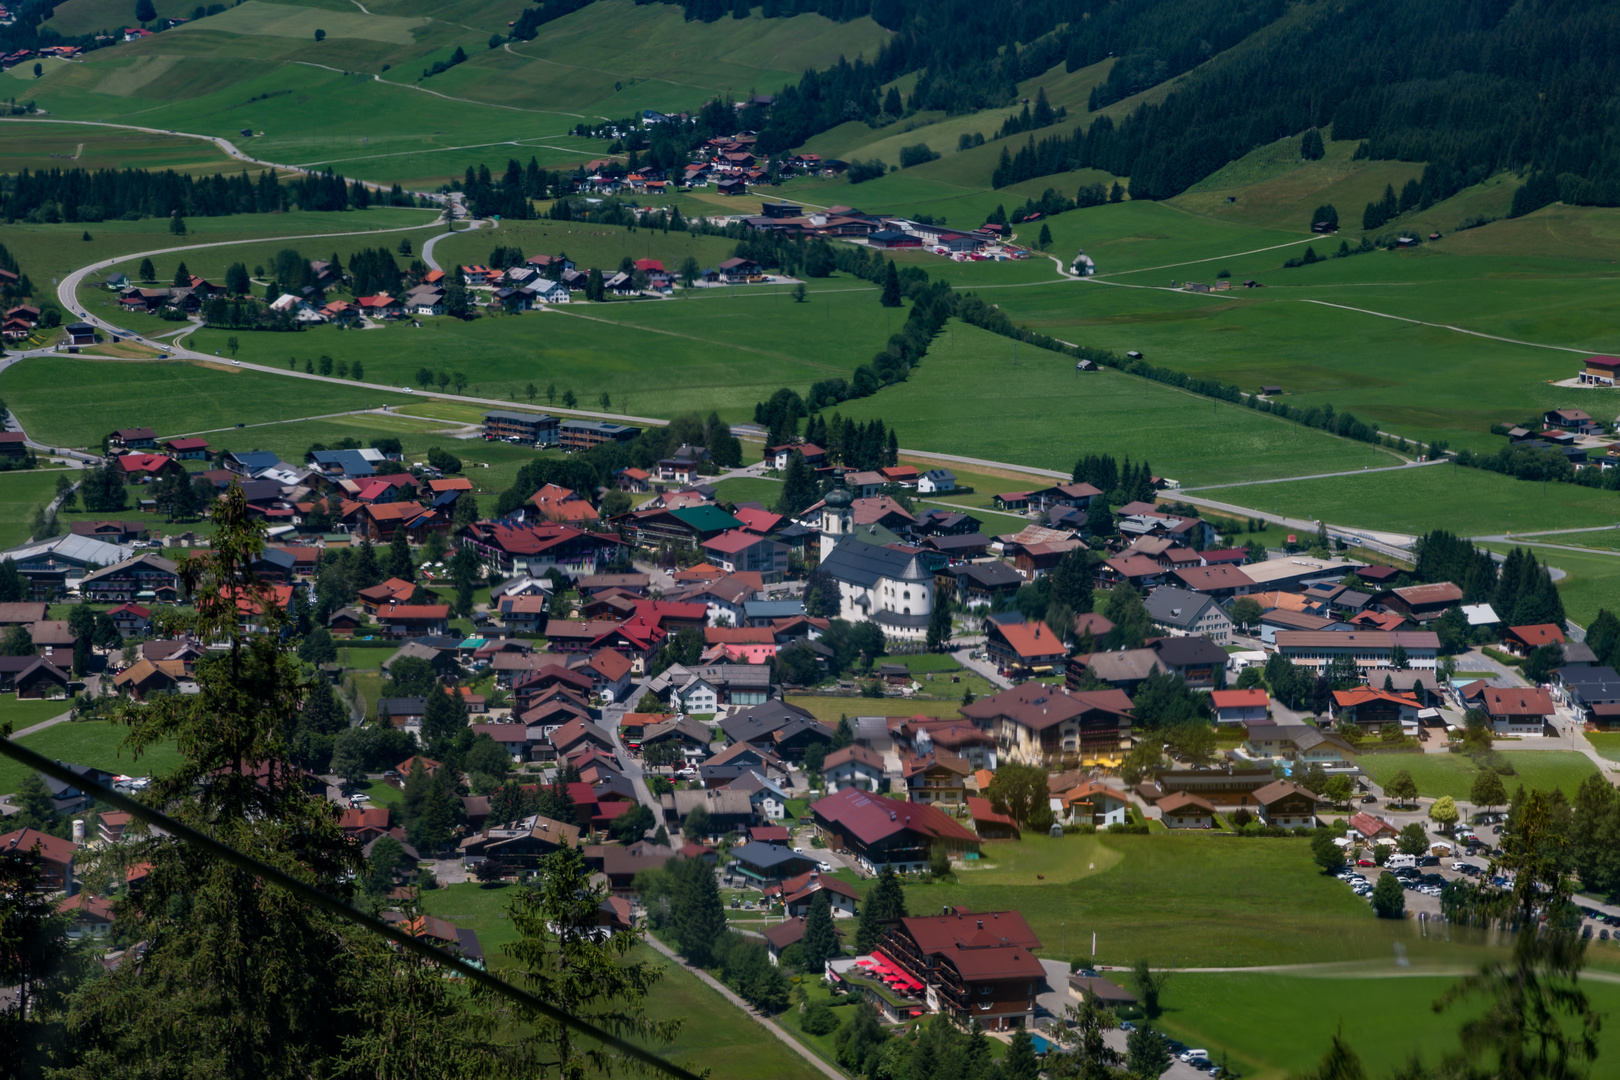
x=1472, y=87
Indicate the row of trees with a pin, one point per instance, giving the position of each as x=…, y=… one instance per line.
x=585, y=472
x=131, y=194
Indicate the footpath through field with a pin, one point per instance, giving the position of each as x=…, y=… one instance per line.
x=764, y=1021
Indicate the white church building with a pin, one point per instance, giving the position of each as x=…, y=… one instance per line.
x=892, y=588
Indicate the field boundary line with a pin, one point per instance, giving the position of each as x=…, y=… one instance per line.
x=1448, y=326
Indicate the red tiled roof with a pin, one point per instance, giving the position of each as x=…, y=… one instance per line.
x=1538, y=634
x=870, y=818
x=1518, y=701
x=1032, y=639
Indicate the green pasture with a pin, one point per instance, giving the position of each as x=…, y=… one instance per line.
x=749, y=489
x=1133, y=891
x=1467, y=501
x=1606, y=540
x=1385, y=1013
x=588, y=245
x=1606, y=743
x=712, y=351
x=1453, y=774
x=40, y=144
x=257, y=65
x=713, y=1034
x=21, y=493
x=47, y=252
x=74, y=402
x=88, y=742
x=1039, y=411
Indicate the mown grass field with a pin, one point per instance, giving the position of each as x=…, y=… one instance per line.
x=47, y=252
x=1469, y=502
x=74, y=401
x=1453, y=774
x=40, y=144
x=1042, y=412
x=1385, y=1013
x=89, y=742
x=1134, y=891
x=1606, y=743
x=257, y=65
x=21, y=493
x=713, y=1036
x=708, y=352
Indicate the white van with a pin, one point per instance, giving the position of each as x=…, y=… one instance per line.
x=1397, y=862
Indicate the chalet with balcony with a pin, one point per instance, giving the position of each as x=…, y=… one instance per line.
x=973, y=967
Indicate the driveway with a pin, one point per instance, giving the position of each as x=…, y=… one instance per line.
x=964, y=656
x=1057, y=999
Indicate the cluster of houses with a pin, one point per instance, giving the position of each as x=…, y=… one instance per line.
x=885, y=232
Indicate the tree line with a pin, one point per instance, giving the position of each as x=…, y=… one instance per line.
x=585, y=472
x=132, y=194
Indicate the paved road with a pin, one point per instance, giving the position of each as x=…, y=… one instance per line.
x=764, y=1021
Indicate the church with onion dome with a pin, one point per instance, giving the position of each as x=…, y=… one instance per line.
x=886, y=583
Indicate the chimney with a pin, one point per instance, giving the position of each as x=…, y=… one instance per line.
x=981, y=924
x=891, y=815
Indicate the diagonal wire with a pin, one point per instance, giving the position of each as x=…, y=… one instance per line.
x=309, y=893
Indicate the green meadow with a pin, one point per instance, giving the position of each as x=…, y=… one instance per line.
x=1384, y=1012
x=712, y=1035
x=1453, y=774
x=21, y=493
x=86, y=742
x=257, y=65
x=1470, y=502
x=1131, y=891
x=75, y=401
x=1036, y=410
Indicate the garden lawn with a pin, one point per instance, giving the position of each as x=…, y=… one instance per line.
x=1178, y=900
x=22, y=713
x=90, y=742
x=1606, y=743
x=382, y=794
x=21, y=493
x=1470, y=502
x=749, y=489
x=1386, y=1018
x=1453, y=774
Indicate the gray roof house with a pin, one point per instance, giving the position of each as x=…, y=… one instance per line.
x=1182, y=611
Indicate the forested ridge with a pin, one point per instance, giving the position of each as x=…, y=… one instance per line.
x=1472, y=86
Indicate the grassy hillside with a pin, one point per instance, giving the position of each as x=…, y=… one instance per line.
x=355, y=101
x=1039, y=411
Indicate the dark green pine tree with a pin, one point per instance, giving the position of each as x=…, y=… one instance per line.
x=820, y=941
x=885, y=903
x=891, y=287
x=799, y=488
x=399, y=563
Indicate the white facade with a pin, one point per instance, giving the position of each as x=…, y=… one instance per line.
x=697, y=696
x=853, y=774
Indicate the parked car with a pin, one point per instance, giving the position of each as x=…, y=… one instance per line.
x=1369, y=798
